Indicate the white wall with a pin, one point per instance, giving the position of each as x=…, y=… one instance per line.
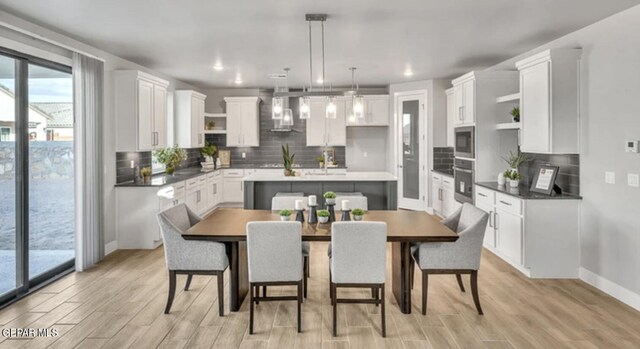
x=610, y=114
x=369, y=141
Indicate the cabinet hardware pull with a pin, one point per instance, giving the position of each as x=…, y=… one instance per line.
x=495, y=220
x=490, y=221
x=480, y=194
x=505, y=203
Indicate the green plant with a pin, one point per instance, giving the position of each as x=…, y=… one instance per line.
x=211, y=125
x=323, y=213
x=512, y=175
x=285, y=213
x=515, y=159
x=145, y=171
x=357, y=212
x=515, y=113
x=209, y=149
x=170, y=157
x=329, y=195
x=320, y=158
x=287, y=157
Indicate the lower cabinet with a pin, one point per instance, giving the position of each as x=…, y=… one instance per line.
x=233, y=191
x=508, y=229
x=443, y=199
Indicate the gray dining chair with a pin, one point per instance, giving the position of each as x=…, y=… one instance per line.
x=274, y=252
x=358, y=259
x=189, y=257
x=459, y=257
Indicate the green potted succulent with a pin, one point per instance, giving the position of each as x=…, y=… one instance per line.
x=320, y=160
x=323, y=216
x=285, y=215
x=513, y=177
x=515, y=159
x=357, y=214
x=170, y=158
x=145, y=172
x=515, y=114
x=330, y=198
x=288, y=161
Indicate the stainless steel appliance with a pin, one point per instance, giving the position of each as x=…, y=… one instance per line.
x=464, y=180
x=465, y=138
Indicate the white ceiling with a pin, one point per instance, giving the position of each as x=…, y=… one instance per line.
x=251, y=38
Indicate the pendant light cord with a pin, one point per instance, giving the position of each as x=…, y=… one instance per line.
x=310, y=59
x=323, y=77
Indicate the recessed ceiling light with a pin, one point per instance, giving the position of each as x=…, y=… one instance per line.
x=218, y=67
x=408, y=72
x=238, y=81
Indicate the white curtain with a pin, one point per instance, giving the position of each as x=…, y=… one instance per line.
x=88, y=86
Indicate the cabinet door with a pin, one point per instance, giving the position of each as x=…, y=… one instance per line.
x=535, y=109
x=197, y=122
x=451, y=118
x=490, y=233
x=160, y=116
x=336, y=131
x=458, y=95
x=234, y=124
x=316, y=122
x=509, y=229
x=448, y=202
x=250, y=125
x=146, y=139
x=192, y=199
x=232, y=191
x=469, y=102
x=436, y=201
x=377, y=111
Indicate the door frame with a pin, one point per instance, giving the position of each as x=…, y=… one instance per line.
x=398, y=98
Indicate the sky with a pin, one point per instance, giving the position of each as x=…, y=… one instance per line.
x=46, y=89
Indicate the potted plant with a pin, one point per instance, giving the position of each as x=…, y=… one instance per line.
x=211, y=125
x=320, y=160
x=170, y=157
x=288, y=161
x=208, y=151
x=515, y=160
x=323, y=216
x=330, y=198
x=513, y=177
x=515, y=114
x=285, y=215
x=357, y=214
x=145, y=172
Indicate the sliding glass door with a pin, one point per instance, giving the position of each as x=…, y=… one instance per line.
x=37, y=228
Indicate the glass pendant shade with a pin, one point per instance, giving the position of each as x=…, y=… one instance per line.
x=358, y=107
x=277, y=108
x=287, y=117
x=331, y=108
x=305, y=107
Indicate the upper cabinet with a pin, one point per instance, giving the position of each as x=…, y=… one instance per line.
x=375, y=113
x=464, y=94
x=141, y=111
x=189, y=118
x=549, y=102
x=451, y=116
x=243, y=121
x=320, y=130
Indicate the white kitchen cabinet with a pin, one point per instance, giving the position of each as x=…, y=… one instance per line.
x=508, y=227
x=189, y=118
x=443, y=199
x=233, y=191
x=375, y=113
x=451, y=117
x=464, y=98
x=141, y=111
x=214, y=195
x=243, y=121
x=549, y=102
x=320, y=130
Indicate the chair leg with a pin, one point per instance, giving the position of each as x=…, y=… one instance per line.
x=186, y=286
x=334, y=303
x=300, y=306
x=377, y=295
x=474, y=291
x=306, y=274
x=412, y=271
x=330, y=287
x=252, y=289
x=264, y=291
x=373, y=292
x=307, y=267
x=459, y=277
x=220, y=276
x=257, y=290
x=172, y=291
x=425, y=287
x=382, y=314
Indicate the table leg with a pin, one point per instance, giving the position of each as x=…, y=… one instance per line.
x=238, y=273
x=400, y=279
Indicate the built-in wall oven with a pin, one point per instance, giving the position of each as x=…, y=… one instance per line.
x=464, y=180
x=465, y=138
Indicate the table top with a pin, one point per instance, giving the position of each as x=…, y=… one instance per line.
x=229, y=224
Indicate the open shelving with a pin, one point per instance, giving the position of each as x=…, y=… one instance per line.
x=509, y=126
x=509, y=98
x=221, y=123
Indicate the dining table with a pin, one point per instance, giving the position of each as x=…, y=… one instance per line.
x=228, y=226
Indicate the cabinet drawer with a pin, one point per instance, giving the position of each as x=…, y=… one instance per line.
x=484, y=195
x=436, y=178
x=191, y=183
x=233, y=173
x=448, y=183
x=509, y=203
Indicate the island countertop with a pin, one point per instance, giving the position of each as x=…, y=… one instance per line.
x=331, y=177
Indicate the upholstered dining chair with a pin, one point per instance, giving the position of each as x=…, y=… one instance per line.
x=459, y=257
x=274, y=254
x=358, y=259
x=190, y=257
x=282, y=201
x=355, y=201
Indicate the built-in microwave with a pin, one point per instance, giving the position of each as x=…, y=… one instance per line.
x=465, y=142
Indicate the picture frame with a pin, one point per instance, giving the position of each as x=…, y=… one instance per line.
x=544, y=180
x=225, y=158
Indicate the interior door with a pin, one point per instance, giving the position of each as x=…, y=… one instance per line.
x=411, y=157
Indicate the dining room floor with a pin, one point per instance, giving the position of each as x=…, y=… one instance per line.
x=120, y=303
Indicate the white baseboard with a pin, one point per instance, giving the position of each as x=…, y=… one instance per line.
x=609, y=287
x=110, y=247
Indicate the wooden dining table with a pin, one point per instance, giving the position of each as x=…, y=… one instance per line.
x=228, y=225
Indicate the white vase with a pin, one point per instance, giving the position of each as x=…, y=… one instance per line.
x=501, y=179
x=285, y=218
x=357, y=218
x=323, y=219
x=513, y=183
x=331, y=201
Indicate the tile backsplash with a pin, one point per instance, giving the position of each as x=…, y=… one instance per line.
x=443, y=158
x=569, y=173
x=124, y=172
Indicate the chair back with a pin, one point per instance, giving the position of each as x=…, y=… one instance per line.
x=287, y=202
x=274, y=251
x=173, y=222
x=355, y=201
x=358, y=252
x=471, y=226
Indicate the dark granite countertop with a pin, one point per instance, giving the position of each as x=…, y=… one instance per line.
x=448, y=172
x=524, y=193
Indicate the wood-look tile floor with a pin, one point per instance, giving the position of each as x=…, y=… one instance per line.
x=120, y=303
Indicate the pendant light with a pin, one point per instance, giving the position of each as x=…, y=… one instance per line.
x=357, y=100
x=331, y=108
x=287, y=117
x=305, y=107
x=277, y=108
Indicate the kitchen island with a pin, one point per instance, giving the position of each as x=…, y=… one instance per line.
x=380, y=188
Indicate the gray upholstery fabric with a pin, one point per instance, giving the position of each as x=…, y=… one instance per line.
x=274, y=250
x=470, y=223
x=359, y=252
x=182, y=254
x=354, y=202
x=355, y=193
x=288, y=202
x=289, y=194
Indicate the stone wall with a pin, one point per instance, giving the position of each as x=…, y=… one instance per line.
x=47, y=160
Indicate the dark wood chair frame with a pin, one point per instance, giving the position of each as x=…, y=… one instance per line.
x=305, y=270
x=190, y=273
x=458, y=272
x=378, y=298
x=254, y=298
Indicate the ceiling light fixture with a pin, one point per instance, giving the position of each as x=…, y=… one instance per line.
x=278, y=103
x=357, y=100
x=238, y=80
x=408, y=72
x=331, y=109
x=305, y=107
x=218, y=67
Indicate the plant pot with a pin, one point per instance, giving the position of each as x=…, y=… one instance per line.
x=323, y=219
x=513, y=183
x=501, y=179
x=330, y=201
x=146, y=179
x=357, y=218
x=169, y=170
x=285, y=218
x=289, y=173
x=321, y=164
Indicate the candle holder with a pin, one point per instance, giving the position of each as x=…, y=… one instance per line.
x=332, y=213
x=346, y=215
x=300, y=216
x=313, y=214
